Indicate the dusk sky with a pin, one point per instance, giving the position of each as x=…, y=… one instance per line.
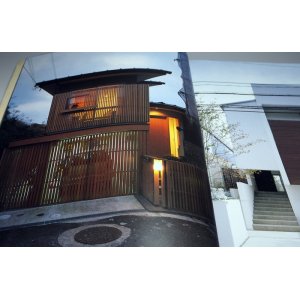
x=35, y=103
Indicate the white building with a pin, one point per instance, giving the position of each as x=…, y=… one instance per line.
x=273, y=119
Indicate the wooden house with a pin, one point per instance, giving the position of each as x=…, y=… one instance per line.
x=104, y=138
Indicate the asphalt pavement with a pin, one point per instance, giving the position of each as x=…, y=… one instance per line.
x=143, y=230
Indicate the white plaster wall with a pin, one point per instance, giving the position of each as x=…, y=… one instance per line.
x=234, y=193
x=251, y=181
x=264, y=154
x=246, y=193
x=254, y=125
x=293, y=192
x=276, y=89
x=230, y=223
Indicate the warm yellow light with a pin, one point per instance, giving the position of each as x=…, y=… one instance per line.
x=156, y=113
x=157, y=165
x=174, y=136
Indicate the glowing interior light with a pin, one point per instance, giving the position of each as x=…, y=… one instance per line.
x=157, y=165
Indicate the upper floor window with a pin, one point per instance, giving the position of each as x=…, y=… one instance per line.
x=79, y=102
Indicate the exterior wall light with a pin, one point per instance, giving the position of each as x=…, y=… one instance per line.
x=157, y=165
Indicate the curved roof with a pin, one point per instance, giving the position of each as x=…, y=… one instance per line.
x=109, y=77
x=162, y=105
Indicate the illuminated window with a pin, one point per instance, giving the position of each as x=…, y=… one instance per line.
x=107, y=102
x=174, y=136
x=77, y=102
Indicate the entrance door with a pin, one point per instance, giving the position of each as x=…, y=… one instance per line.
x=265, y=181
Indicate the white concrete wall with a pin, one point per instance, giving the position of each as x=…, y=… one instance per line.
x=230, y=223
x=264, y=154
x=234, y=193
x=293, y=192
x=246, y=193
x=276, y=89
x=251, y=181
x=255, y=126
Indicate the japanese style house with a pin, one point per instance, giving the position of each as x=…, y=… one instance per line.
x=104, y=138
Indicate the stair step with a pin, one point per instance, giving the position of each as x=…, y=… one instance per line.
x=268, y=201
x=270, y=193
x=287, y=228
x=276, y=204
x=279, y=209
x=274, y=222
x=272, y=198
x=274, y=217
x=274, y=213
x=272, y=208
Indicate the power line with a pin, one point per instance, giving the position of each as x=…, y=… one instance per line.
x=245, y=94
x=271, y=65
x=53, y=64
x=213, y=81
x=256, y=111
x=273, y=85
x=221, y=84
x=218, y=139
x=214, y=106
x=29, y=75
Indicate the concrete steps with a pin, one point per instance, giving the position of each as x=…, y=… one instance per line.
x=274, y=217
x=285, y=228
x=274, y=222
x=273, y=212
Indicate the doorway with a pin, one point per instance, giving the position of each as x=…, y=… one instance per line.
x=265, y=181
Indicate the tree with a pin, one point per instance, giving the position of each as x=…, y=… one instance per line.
x=222, y=141
x=15, y=126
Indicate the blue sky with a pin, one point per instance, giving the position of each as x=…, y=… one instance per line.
x=35, y=103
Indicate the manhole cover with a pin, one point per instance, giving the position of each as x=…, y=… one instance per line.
x=97, y=235
x=20, y=215
x=101, y=235
x=40, y=215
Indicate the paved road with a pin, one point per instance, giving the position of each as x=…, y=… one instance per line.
x=145, y=231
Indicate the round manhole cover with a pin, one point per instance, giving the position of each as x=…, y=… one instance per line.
x=97, y=235
x=101, y=235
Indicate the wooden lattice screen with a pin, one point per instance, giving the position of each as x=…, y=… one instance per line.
x=123, y=104
x=185, y=187
x=80, y=168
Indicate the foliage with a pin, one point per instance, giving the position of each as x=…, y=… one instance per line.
x=222, y=141
x=15, y=126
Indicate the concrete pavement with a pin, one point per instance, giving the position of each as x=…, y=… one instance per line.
x=47, y=214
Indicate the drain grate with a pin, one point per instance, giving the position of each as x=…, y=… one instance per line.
x=97, y=235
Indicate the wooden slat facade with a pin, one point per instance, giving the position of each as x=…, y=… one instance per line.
x=287, y=138
x=78, y=168
x=185, y=187
x=105, y=106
